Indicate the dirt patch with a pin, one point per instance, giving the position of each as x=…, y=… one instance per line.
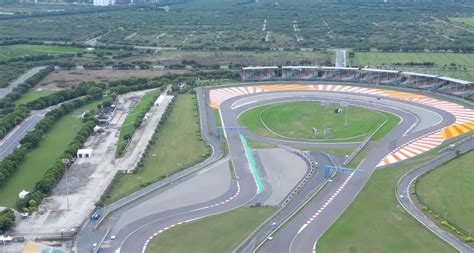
x=64, y=79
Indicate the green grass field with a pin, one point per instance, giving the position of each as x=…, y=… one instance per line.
x=14, y=51
x=439, y=59
x=296, y=120
x=32, y=95
x=464, y=62
x=218, y=233
x=40, y=159
x=375, y=222
x=466, y=21
x=177, y=147
x=128, y=127
x=450, y=190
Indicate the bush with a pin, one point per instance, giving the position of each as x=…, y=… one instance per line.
x=7, y=219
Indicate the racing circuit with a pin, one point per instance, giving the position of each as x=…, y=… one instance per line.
x=426, y=123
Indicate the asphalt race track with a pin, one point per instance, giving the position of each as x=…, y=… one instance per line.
x=419, y=121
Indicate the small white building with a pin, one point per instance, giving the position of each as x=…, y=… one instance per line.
x=22, y=194
x=159, y=100
x=84, y=153
x=103, y=2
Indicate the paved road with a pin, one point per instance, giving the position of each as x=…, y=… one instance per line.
x=12, y=140
x=133, y=237
x=341, y=58
x=405, y=199
x=21, y=79
x=136, y=235
x=289, y=238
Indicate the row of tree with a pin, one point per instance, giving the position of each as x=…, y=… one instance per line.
x=11, y=115
x=138, y=121
x=83, y=89
x=53, y=174
x=22, y=88
x=11, y=163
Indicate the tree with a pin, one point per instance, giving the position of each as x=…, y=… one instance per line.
x=7, y=219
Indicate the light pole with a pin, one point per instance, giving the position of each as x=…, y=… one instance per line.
x=347, y=109
x=344, y=105
x=66, y=161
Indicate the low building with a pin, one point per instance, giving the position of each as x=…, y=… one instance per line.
x=84, y=153
x=105, y=115
x=104, y=2
x=159, y=100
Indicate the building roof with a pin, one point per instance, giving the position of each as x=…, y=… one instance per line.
x=419, y=74
x=257, y=68
x=449, y=79
x=85, y=151
x=34, y=247
x=105, y=112
x=382, y=70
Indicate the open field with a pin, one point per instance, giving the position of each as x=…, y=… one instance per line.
x=458, y=65
x=375, y=214
x=389, y=59
x=128, y=127
x=32, y=95
x=177, y=147
x=14, y=51
x=40, y=159
x=218, y=233
x=449, y=190
x=61, y=79
x=296, y=120
x=466, y=21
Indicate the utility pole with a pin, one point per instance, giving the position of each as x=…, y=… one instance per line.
x=66, y=161
x=347, y=109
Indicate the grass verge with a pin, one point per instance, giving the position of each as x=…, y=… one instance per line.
x=448, y=192
x=257, y=144
x=42, y=157
x=134, y=119
x=218, y=233
x=375, y=214
x=178, y=146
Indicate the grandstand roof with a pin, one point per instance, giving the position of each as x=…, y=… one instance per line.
x=382, y=70
x=316, y=67
x=255, y=68
x=418, y=74
x=344, y=68
x=300, y=67
x=449, y=79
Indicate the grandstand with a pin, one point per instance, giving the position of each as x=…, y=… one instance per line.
x=260, y=73
x=433, y=83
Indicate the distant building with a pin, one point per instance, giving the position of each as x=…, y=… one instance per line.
x=104, y=2
x=105, y=115
x=182, y=87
